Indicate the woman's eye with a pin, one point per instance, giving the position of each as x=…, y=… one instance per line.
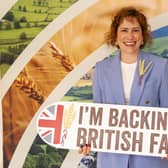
x=136, y=30
x=123, y=30
x=126, y=30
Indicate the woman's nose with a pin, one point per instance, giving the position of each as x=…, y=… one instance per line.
x=130, y=34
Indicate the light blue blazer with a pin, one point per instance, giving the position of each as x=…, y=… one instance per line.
x=153, y=91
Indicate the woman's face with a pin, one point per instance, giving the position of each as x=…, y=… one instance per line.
x=129, y=36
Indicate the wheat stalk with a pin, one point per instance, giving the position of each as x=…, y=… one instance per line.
x=58, y=54
x=28, y=86
x=143, y=69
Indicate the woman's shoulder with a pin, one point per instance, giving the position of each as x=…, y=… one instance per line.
x=107, y=60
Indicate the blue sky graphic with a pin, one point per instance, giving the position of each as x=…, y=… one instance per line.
x=162, y=32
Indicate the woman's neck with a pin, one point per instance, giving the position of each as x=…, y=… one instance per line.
x=129, y=59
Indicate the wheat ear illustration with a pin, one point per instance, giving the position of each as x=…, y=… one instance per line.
x=68, y=119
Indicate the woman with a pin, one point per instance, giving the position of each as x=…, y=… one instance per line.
x=131, y=77
x=117, y=80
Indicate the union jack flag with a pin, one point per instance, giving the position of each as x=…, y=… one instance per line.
x=50, y=124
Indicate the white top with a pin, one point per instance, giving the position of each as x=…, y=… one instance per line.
x=128, y=71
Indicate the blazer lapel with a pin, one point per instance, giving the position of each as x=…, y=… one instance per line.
x=138, y=86
x=118, y=84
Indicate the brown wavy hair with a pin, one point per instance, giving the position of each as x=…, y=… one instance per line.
x=129, y=12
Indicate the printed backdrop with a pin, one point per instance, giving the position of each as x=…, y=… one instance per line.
x=48, y=49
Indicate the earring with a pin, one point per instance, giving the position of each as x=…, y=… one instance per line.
x=116, y=44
